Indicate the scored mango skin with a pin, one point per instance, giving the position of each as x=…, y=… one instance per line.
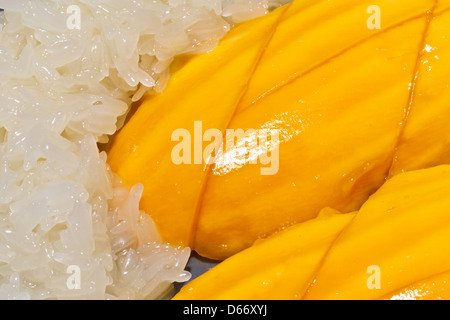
x=220, y=214
x=313, y=32
x=280, y=267
x=425, y=140
x=141, y=151
x=403, y=230
x=339, y=125
x=416, y=223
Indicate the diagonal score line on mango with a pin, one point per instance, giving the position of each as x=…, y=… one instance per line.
x=228, y=66
x=402, y=231
x=339, y=87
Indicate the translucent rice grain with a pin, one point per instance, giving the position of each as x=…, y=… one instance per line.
x=69, y=227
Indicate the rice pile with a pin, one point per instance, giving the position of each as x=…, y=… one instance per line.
x=69, y=228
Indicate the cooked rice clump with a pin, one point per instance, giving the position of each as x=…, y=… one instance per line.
x=69, y=228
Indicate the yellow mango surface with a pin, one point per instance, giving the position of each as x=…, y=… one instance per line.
x=403, y=229
x=425, y=140
x=394, y=247
x=339, y=94
x=313, y=32
x=205, y=89
x=280, y=267
x=433, y=288
x=339, y=125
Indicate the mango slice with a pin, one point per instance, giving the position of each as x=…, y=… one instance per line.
x=394, y=247
x=425, y=140
x=206, y=89
x=313, y=32
x=280, y=267
x=339, y=125
x=403, y=230
x=336, y=91
x=434, y=288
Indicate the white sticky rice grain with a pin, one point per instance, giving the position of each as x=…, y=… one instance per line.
x=69, y=228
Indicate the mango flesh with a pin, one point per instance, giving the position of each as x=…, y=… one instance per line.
x=425, y=140
x=142, y=150
x=394, y=247
x=403, y=229
x=433, y=288
x=313, y=32
x=335, y=149
x=339, y=93
x=255, y=274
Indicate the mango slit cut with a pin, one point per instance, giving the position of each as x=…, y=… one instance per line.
x=209, y=167
x=415, y=76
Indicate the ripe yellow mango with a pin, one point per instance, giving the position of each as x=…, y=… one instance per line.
x=425, y=140
x=280, y=267
x=394, y=247
x=206, y=88
x=336, y=91
x=339, y=125
x=313, y=32
x=433, y=288
x=403, y=229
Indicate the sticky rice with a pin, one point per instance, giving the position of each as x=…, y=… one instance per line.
x=69, y=71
